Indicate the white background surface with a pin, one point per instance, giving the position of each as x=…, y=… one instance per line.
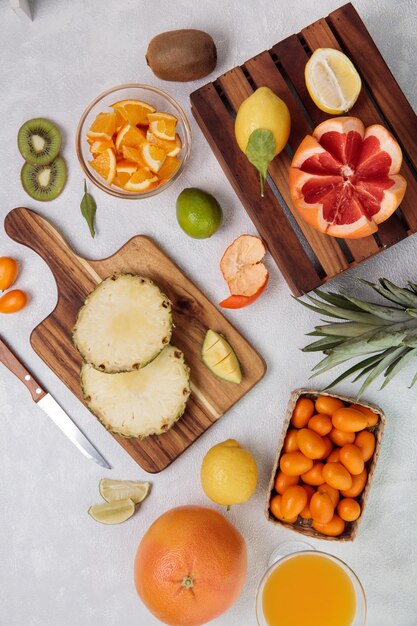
x=58, y=567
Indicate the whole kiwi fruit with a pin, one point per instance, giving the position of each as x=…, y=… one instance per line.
x=182, y=55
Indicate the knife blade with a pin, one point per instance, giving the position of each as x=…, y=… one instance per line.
x=50, y=406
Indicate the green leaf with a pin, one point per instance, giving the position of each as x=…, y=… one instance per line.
x=88, y=209
x=322, y=344
x=343, y=329
x=388, y=313
x=391, y=356
x=405, y=297
x=336, y=299
x=401, y=362
x=260, y=151
x=370, y=361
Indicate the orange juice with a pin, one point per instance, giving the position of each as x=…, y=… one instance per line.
x=309, y=589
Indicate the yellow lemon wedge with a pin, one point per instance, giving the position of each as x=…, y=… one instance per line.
x=154, y=156
x=112, y=512
x=229, y=473
x=332, y=81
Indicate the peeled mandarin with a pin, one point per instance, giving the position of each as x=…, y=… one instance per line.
x=349, y=420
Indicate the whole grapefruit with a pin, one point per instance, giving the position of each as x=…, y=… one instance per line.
x=190, y=566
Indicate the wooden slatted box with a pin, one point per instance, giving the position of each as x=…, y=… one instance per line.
x=306, y=258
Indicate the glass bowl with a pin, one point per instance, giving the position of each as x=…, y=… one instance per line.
x=360, y=615
x=162, y=101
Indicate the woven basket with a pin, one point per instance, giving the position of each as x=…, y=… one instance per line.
x=302, y=526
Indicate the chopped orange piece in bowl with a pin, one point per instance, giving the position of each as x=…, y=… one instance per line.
x=105, y=165
x=134, y=111
x=153, y=156
x=133, y=154
x=103, y=127
x=129, y=135
x=100, y=145
x=168, y=169
x=163, y=125
x=126, y=167
x=172, y=148
x=141, y=180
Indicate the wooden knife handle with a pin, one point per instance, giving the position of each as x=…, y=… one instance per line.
x=8, y=358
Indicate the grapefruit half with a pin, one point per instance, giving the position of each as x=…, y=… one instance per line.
x=344, y=178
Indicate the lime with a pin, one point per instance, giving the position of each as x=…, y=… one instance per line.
x=116, y=490
x=198, y=213
x=112, y=512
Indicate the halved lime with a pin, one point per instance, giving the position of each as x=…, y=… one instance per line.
x=112, y=512
x=116, y=490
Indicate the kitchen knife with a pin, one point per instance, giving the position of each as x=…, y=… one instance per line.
x=50, y=406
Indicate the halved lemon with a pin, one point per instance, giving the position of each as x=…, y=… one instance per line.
x=332, y=81
x=105, y=165
x=115, y=490
x=141, y=180
x=153, y=156
x=100, y=145
x=112, y=512
x=129, y=135
x=133, y=154
x=163, y=125
x=103, y=127
x=134, y=111
x=172, y=148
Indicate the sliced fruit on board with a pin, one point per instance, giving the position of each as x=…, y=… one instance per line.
x=124, y=324
x=116, y=490
x=112, y=512
x=344, y=179
x=140, y=403
x=220, y=358
x=242, y=268
x=332, y=81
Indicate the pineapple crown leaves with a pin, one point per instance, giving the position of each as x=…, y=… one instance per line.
x=385, y=335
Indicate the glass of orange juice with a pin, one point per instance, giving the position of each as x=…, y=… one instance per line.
x=310, y=587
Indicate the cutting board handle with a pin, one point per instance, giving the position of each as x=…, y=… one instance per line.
x=30, y=229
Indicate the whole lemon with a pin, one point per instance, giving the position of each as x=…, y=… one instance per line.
x=229, y=473
x=263, y=109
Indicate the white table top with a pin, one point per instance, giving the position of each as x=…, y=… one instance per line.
x=58, y=567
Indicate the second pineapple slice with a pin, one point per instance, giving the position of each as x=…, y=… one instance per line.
x=140, y=403
x=220, y=358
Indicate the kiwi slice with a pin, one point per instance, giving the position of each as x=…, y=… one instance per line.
x=39, y=141
x=44, y=182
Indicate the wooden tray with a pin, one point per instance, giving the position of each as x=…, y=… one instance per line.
x=305, y=528
x=193, y=314
x=306, y=258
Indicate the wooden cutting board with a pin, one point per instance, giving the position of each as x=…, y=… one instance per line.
x=193, y=314
x=306, y=258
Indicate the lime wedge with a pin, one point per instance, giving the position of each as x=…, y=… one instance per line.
x=115, y=490
x=112, y=512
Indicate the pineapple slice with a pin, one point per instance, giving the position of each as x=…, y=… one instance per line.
x=124, y=324
x=220, y=358
x=143, y=402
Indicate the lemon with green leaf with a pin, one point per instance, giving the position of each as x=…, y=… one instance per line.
x=262, y=128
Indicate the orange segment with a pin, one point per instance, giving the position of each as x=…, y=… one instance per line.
x=169, y=168
x=105, y=165
x=120, y=120
x=141, y=180
x=103, y=127
x=163, y=125
x=153, y=156
x=134, y=111
x=129, y=135
x=121, y=179
x=100, y=145
x=172, y=148
x=133, y=154
x=126, y=167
